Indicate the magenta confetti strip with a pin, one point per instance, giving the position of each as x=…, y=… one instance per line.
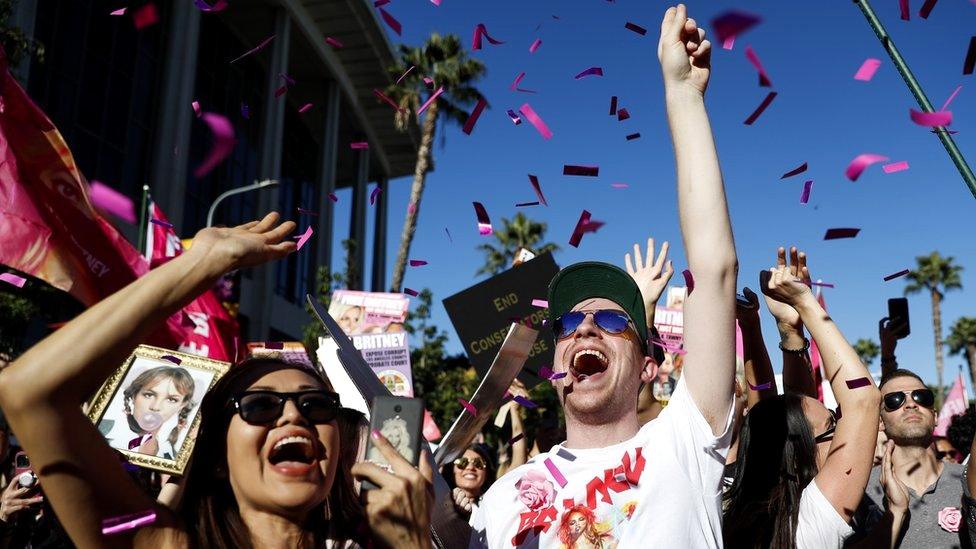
x=613, y=105
x=412, y=208
x=334, y=42
x=404, y=75
x=636, y=28
x=584, y=225
x=633, y=136
x=565, y=454
x=383, y=97
x=223, y=143
x=305, y=108
x=667, y=346
x=13, y=279
x=534, y=181
x=899, y=274
x=304, y=238
x=120, y=11
x=592, y=71
x=622, y=115
x=759, y=110
x=410, y=291
x=926, y=8
x=895, y=167
x=417, y=262
x=931, y=119
x=516, y=119
x=484, y=223
x=557, y=475
x=536, y=121
x=146, y=16
x=359, y=145
x=219, y=5
x=514, y=86
x=731, y=24
x=689, y=280
x=619, y=185
x=333, y=197
x=535, y=45
x=795, y=171
x=761, y=386
x=557, y=375
x=429, y=82
x=586, y=171
x=527, y=204
x=116, y=525
x=473, y=117
x=867, y=70
x=834, y=234
x=861, y=163
x=109, y=200
x=754, y=59
x=274, y=345
x=822, y=284
x=468, y=406
x=515, y=439
x=430, y=100
x=524, y=401
x=391, y=21
x=376, y=192
x=196, y=108
x=967, y=66
x=161, y=223
x=805, y=194
x=858, y=383
x=257, y=48
x=378, y=3
x=171, y=358
x=903, y=7
x=545, y=372
x=479, y=31
x=951, y=97
x=281, y=90
x=540, y=303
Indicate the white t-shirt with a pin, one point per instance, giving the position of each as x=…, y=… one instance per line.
x=818, y=525
x=660, y=488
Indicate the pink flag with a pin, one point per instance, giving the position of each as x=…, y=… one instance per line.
x=954, y=405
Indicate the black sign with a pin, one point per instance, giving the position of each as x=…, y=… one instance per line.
x=483, y=313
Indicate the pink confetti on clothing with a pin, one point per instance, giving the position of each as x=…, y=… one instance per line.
x=759, y=110
x=516, y=438
x=795, y=171
x=689, y=280
x=516, y=119
x=926, y=8
x=557, y=475
x=536, y=121
x=931, y=119
x=846, y=232
x=304, y=238
x=805, y=194
x=613, y=105
x=117, y=525
x=334, y=42
x=196, y=108
x=11, y=278
x=417, y=262
x=858, y=383
x=410, y=291
x=430, y=100
x=473, y=117
x=951, y=97
x=633, y=136
x=619, y=185
x=358, y=145
x=903, y=6
x=540, y=303
x=333, y=197
x=109, y=200
x=146, y=16
x=391, y=21
x=218, y=6
x=376, y=192
x=534, y=181
x=223, y=143
x=587, y=171
x=867, y=70
x=861, y=163
x=754, y=59
x=479, y=31
x=584, y=225
x=404, y=75
x=622, y=114
x=305, y=108
x=120, y=11
x=174, y=359
x=731, y=24
x=592, y=71
x=161, y=223
x=468, y=406
x=895, y=167
x=535, y=45
x=484, y=223
x=899, y=274
x=636, y=28
x=256, y=49
x=524, y=401
x=383, y=97
x=761, y=386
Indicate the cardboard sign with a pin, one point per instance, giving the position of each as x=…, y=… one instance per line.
x=483, y=314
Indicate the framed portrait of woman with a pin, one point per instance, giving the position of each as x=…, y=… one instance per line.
x=149, y=408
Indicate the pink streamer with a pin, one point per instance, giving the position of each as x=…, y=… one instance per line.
x=899, y=274
x=305, y=108
x=13, y=279
x=116, y=525
x=903, y=6
x=376, y=192
x=515, y=83
x=304, y=238
x=754, y=59
x=120, y=11
x=795, y=171
x=402, y=76
x=535, y=45
x=534, y=181
x=540, y=303
x=430, y=100
x=951, y=97
x=334, y=42
x=473, y=117
x=196, y=108
x=383, y=97
x=834, y=234
x=805, y=195
x=867, y=70
x=731, y=24
x=592, y=71
x=468, y=406
x=359, y=145
x=895, y=167
x=257, y=48
x=391, y=21
x=479, y=31
x=931, y=119
x=109, y=200
x=417, y=262
x=333, y=197
x=583, y=226
x=223, y=143
x=557, y=475
x=410, y=291
x=484, y=223
x=536, y=121
x=860, y=163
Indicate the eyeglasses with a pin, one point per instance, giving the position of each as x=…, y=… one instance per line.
x=610, y=321
x=462, y=463
x=829, y=433
x=265, y=407
x=923, y=397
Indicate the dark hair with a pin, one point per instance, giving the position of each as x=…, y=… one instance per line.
x=448, y=470
x=776, y=461
x=900, y=372
x=961, y=430
x=209, y=509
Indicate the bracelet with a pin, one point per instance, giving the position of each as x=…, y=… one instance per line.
x=805, y=348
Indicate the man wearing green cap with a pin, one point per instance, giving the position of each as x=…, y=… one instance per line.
x=614, y=483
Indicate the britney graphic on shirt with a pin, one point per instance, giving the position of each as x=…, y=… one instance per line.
x=579, y=530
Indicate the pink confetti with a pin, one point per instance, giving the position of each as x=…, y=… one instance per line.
x=584, y=225
x=667, y=346
x=196, y=108
x=622, y=115
x=404, y=75
x=536, y=121
x=473, y=117
x=120, y=11
x=557, y=475
x=305, y=108
x=116, y=525
x=146, y=16
x=557, y=375
x=411, y=208
x=430, y=100
x=417, y=262
x=619, y=185
x=951, y=97
x=516, y=119
x=359, y=145
x=759, y=110
x=218, y=6
x=633, y=136
x=535, y=45
x=484, y=223
x=161, y=223
x=805, y=194
x=223, y=143
x=689, y=280
x=822, y=284
x=534, y=181
x=731, y=24
x=257, y=48
x=592, y=71
x=429, y=82
x=333, y=197
x=895, y=167
x=281, y=90
x=307, y=212
x=518, y=79
x=304, y=238
x=479, y=31
x=931, y=119
x=899, y=274
x=13, y=279
x=525, y=402
x=761, y=386
x=376, y=192
x=391, y=21
x=540, y=303
x=834, y=234
x=174, y=359
x=795, y=171
x=109, y=200
x=613, y=105
x=334, y=42
x=468, y=406
x=903, y=6
x=587, y=171
x=410, y=291
x=926, y=8
x=867, y=70
x=754, y=59
x=861, y=163
x=526, y=204
x=383, y=97
x=378, y=3
x=858, y=383
x=516, y=438
x=636, y=28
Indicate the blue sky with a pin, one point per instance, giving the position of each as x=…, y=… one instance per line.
x=821, y=116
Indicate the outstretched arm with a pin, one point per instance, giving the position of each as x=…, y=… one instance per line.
x=760, y=380
x=709, y=309
x=797, y=368
x=42, y=391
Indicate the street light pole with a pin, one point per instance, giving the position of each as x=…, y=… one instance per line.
x=239, y=190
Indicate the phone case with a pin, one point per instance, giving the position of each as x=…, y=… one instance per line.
x=898, y=311
x=400, y=420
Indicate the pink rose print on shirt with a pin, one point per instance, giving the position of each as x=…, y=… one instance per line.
x=949, y=519
x=535, y=490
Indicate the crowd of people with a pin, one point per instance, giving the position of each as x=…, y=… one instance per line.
x=659, y=449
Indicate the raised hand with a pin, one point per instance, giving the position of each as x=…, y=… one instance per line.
x=651, y=278
x=785, y=315
x=684, y=52
x=246, y=245
x=786, y=288
x=896, y=493
x=747, y=313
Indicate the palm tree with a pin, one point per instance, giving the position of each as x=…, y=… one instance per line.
x=867, y=350
x=936, y=274
x=519, y=232
x=962, y=337
x=442, y=59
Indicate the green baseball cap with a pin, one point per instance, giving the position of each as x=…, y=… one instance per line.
x=591, y=279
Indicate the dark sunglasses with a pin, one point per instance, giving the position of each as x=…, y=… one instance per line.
x=462, y=463
x=611, y=322
x=923, y=397
x=829, y=433
x=265, y=407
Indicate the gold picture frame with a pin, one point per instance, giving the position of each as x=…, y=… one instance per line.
x=162, y=388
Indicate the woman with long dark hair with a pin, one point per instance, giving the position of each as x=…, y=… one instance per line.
x=267, y=469
x=469, y=477
x=801, y=468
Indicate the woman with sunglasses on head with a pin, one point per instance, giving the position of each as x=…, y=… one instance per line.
x=802, y=469
x=267, y=469
x=469, y=477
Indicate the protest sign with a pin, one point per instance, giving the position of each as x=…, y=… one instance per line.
x=669, y=320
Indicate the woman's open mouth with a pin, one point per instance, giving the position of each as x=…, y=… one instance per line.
x=293, y=455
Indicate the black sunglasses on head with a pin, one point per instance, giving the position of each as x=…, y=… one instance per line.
x=265, y=407
x=923, y=397
x=608, y=320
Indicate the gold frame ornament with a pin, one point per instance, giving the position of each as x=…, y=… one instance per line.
x=106, y=394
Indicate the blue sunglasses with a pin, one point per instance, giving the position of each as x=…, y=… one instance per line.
x=610, y=321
